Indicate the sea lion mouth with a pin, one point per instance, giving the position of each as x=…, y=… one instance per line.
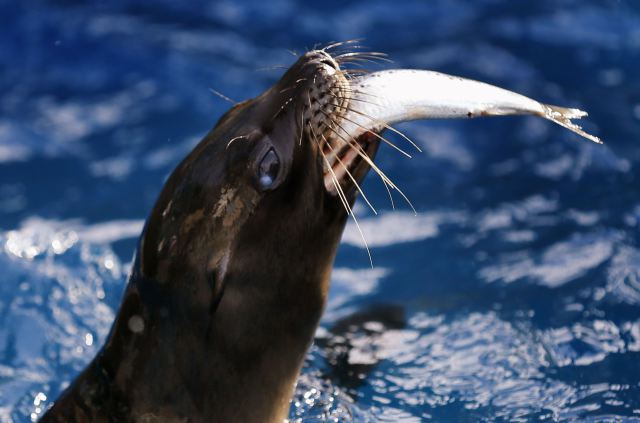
x=346, y=155
x=327, y=102
x=344, y=162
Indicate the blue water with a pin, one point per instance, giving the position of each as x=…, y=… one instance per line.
x=513, y=295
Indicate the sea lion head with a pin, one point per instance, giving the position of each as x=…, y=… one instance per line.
x=274, y=178
x=266, y=192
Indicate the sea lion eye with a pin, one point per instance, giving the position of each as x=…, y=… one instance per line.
x=268, y=169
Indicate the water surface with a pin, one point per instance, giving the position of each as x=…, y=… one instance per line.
x=513, y=295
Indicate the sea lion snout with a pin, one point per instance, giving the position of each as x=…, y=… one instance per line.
x=317, y=92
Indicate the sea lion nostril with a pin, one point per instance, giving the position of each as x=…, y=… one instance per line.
x=328, y=62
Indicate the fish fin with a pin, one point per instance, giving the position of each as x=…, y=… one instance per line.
x=563, y=116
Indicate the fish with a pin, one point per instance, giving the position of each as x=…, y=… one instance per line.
x=398, y=95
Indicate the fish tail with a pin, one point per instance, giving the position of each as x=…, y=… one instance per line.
x=563, y=116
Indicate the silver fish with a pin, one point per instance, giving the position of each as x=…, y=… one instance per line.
x=383, y=98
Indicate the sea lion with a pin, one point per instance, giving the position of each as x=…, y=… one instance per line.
x=232, y=269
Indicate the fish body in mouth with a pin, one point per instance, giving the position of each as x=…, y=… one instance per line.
x=371, y=102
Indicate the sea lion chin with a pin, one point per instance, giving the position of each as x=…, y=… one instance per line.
x=232, y=269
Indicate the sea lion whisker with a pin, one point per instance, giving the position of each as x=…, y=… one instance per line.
x=269, y=68
x=301, y=126
x=374, y=54
x=332, y=174
x=355, y=220
x=354, y=60
x=291, y=87
x=282, y=107
x=357, y=61
x=360, y=151
x=352, y=67
x=364, y=240
x=235, y=139
x=346, y=168
x=351, y=90
x=380, y=137
x=376, y=169
x=377, y=121
x=222, y=96
x=341, y=43
x=364, y=156
x=336, y=184
x=402, y=194
x=349, y=49
x=358, y=147
x=352, y=144
x=393, y=203
x=354, y=73
x=295, y=85
x=356, y=64
x=388, y=183
x=364, y=58
x=345, y=202
x=356, y=99
x=345, y=71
